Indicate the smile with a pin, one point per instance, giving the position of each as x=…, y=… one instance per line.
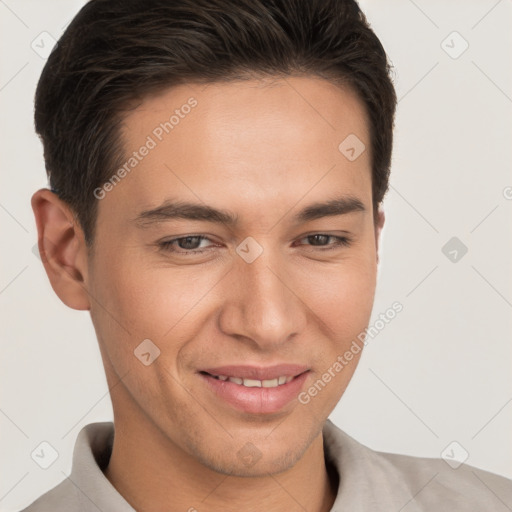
x=255, y=383
x=253, y=389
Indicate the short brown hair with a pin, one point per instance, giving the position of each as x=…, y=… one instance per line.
x=116, y=51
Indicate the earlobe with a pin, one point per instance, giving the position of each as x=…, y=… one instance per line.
x=381, y=218
x=62, y=249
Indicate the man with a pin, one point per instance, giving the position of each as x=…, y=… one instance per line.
x=217, y=171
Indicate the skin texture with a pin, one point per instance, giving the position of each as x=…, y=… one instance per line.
x=262, y=149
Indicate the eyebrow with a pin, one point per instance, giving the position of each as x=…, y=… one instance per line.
x=170, y=210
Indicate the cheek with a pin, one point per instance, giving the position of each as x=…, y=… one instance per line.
x=126, y=305
x=342, y=297
x=138, y=301
x=343, y=304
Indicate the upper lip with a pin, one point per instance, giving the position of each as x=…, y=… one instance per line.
x=258, y=372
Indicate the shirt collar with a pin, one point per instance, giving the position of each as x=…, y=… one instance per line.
x=367, y=479
x=91, y=454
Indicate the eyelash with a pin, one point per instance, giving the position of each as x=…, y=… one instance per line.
x=341, y=241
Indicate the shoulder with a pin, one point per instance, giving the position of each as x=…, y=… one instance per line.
x=433, y=482
x=416, y=484
x=63, y=497
x=86, y=488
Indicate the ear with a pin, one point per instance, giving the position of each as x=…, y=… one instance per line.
x=62, y=248
x=381, y=217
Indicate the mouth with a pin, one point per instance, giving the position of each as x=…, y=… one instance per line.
x=255, y=390
x=254, y=383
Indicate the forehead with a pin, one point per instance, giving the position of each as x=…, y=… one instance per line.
x=254, y=140
x=260, y=106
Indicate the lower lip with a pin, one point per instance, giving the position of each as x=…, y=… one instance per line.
x=256, y=400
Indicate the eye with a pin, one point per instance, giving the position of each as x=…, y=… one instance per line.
x=320, y=240
x=191, y=244
x=188, y=244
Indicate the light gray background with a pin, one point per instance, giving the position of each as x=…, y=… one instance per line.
x=439, y=372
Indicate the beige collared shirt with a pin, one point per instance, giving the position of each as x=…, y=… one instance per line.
x=368, y=480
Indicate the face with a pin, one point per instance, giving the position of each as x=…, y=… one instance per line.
x=271, y=280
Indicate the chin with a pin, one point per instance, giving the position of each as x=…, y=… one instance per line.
x=255, y=457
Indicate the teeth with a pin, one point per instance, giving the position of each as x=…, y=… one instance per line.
x=272, y=383
x=251, y=383
x=254, y=383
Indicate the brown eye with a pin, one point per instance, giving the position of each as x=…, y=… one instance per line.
x=184, y=245
x=321, y=240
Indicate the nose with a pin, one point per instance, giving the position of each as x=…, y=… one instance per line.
x=263, y=303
